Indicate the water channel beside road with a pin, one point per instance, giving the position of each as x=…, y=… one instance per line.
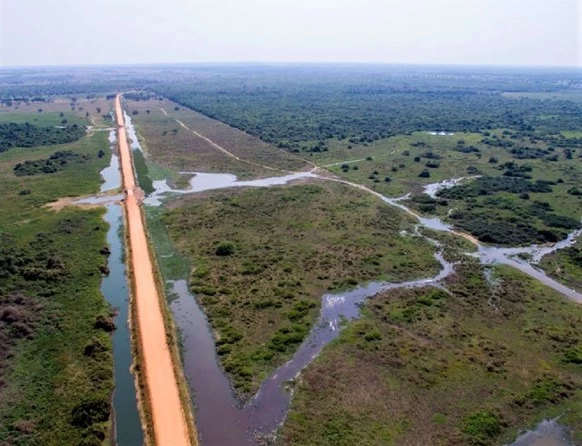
x=114, y=287
x=127, y=428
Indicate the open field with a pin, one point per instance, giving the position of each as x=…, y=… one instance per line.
x=428, y=367
x=56, y=374
x=392, y=375
x=81, y=111
x=261, y=267
x=173, y=146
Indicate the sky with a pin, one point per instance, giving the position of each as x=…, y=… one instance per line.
x=467, y=32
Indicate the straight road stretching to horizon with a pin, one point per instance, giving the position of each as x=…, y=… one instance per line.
x=168, y=416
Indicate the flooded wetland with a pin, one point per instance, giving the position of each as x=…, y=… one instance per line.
x=294, y=255
x=258, y=416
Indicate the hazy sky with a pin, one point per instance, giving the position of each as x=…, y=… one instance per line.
x=78, y=32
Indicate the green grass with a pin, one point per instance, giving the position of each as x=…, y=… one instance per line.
x=48, y=378
x=141, y=169
x=263, y=295
x=173, y=265
x=565, y=265
x=427, y=367
x=390, y=153
x=173, y=147
x=42, y=119
x=389, y=167
x=23, y=210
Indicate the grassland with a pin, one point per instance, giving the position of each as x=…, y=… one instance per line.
x=261, y=267
x=428, y=367
x=393, y=166
x=172, y=146
x=566, y=266
x=395, y=158
x=56, y=373
x=81, y=111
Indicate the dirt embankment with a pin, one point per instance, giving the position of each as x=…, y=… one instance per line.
x=167, y=413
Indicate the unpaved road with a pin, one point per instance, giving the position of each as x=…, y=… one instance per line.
x=168, y=416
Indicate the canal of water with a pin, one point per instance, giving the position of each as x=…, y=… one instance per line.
x=127, y=429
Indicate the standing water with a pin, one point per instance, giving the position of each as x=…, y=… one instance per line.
x=127, y=429
x=262, y=416
x=127, y=424
x=111, y=176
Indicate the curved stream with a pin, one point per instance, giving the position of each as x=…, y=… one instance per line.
x=211, y=389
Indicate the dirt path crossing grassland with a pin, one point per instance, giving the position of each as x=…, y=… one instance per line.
x=181, y=139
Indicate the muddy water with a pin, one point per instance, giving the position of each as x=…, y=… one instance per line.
x=127, y=425
x=127, y=428
x=213, y=396
x=210, y=388
x=111, y=177
x=101, y=199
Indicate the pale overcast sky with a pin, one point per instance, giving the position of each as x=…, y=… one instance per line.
x=79, y=32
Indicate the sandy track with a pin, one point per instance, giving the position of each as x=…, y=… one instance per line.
x=168, y=416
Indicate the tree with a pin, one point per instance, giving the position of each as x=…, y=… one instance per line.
x=424, y=174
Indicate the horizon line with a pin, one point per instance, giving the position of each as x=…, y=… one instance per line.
x=275, y=63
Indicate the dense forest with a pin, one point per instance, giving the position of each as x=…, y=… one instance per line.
x=29, y=135
x=290, y=110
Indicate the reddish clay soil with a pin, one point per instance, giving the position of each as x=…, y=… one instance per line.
x=168, y=416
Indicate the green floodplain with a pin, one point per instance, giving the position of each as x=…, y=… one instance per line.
x=492, y=353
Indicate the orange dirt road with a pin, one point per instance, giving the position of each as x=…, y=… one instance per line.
x=168, y=416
